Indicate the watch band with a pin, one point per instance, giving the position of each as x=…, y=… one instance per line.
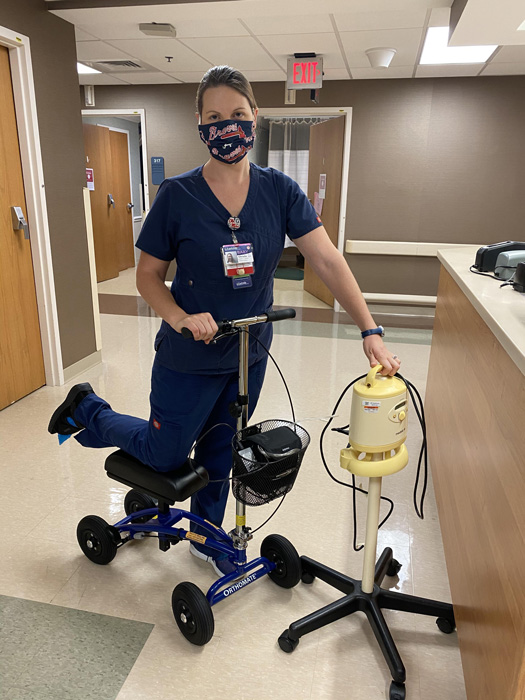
x=373, y=331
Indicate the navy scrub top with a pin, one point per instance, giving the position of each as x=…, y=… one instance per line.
x=189, y=224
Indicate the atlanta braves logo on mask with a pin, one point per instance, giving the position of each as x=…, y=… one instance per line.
x=229, y=140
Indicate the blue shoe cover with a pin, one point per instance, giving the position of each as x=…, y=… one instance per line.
x=63, y=438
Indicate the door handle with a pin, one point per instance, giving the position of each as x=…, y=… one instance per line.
x=130, y=206
x=19, y=222
x=111, y=201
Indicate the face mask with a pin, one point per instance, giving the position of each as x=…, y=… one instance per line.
x=229, y=140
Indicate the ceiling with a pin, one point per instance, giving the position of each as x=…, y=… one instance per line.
x=257, y=37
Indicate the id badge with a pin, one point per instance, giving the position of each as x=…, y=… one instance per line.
x=237, y=259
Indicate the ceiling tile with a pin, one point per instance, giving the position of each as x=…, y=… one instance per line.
x=291, y=24
x=405, y=41
x=209, y=28
x=505, y=69
x=81, y=35
x=256, y=76
x=392, y=19
x=187, y=76
x=98, y=51
x=281, y=47
x=439, y=17
x=148, y=78
x=510, y=54
x=243, y=53
x=154, y=52
x=335, y=74
x=449, y=71
x=375, y=73
x=100, y=79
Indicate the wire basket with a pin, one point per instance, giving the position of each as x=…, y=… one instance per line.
x=266, y=460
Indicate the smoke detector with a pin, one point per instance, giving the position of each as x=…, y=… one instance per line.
x=158, y=29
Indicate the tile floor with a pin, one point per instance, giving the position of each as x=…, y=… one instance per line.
x=47, y=489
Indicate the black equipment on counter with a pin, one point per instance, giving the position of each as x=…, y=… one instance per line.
x=488, y=254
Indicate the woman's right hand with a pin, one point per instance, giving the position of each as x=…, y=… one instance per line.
x=202, y=326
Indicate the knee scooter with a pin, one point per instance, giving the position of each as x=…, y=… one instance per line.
x=260, y=475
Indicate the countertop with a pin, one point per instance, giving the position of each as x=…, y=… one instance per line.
x=502, y=308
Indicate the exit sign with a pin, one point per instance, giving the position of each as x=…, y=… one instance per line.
x=304, y=73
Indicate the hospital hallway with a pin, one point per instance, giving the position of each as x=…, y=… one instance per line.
x=72, y=630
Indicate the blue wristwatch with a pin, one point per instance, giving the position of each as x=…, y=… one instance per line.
x=374, y=331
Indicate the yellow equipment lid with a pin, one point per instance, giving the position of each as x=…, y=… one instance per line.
x=381, y=387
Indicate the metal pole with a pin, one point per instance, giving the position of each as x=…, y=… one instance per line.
x=372, y=522
x=242, y=420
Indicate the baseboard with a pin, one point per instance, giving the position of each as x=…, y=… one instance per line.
x=82, y=366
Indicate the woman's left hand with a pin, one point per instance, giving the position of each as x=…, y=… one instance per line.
x=378, y=353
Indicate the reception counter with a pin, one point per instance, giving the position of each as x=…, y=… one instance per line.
x=475, y=411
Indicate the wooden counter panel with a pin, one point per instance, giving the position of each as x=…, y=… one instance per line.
x=475, y=409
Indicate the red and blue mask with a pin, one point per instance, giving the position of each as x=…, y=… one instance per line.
x=229, y=140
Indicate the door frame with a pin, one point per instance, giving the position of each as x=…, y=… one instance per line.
x=127, y=112
x=33, y=177
x=320, y=112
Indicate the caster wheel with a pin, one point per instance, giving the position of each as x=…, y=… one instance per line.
x=307, y=578
x=393, y=568
x=445, y=625
x=279, y=550
x=192, y=613
x=97, y=539
x=135, y=501
x=286, y=644
x=397, y=691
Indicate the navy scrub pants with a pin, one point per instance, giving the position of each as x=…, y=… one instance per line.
x=183, y=407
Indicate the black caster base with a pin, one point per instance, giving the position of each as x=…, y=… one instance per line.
x=397, y=691
x=286, y=644
x=355, y=599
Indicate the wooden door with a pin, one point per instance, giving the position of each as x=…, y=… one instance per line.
x=120, y=184
x=97, y=145
x=21, y=359
x=325, y=157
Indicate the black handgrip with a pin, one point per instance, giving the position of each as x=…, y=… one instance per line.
x=280, y=315
x=186, y=333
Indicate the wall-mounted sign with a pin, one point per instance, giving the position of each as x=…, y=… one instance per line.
x=157, y=170
x=304, y=73
x=90, y=179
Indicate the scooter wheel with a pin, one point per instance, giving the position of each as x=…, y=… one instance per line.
x=97, y=539
x=397, y=691
x=286, y=644
x=192, y=613
x=282, y=553
x=135, y=501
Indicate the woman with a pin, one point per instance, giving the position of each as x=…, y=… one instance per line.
x=227, y=210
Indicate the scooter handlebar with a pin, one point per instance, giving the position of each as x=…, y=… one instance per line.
x=225, y=326
x=280, y=315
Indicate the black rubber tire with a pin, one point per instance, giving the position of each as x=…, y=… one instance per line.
x=286, y=644
x=135, y=501
x=397, y=691
x=278, y=549
x=192, y=613
x=445, y=625
x=393, y=568
x=307, y=577
x=97, y=539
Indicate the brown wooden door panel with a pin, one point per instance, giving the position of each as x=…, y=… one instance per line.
x=21, y=359
x=97, y=145
x=122, y=195
x=325, y=156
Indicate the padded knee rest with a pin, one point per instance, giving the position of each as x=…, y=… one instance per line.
x=170, y=487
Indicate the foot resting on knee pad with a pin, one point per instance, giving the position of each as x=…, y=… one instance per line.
x=62, y=421
x=221, y=564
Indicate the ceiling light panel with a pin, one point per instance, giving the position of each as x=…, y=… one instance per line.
x=292, y=24
x=244, y=53
x=154, y=52
x=437, y=52
x=375, y=21
x=405, y=41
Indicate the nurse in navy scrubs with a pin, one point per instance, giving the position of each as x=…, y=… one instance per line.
x=224, y=216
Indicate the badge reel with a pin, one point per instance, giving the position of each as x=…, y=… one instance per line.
x=237, y=258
